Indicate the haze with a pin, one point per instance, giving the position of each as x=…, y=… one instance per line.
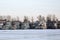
x=29, y=7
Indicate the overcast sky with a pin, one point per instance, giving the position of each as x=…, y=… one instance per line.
x=29, y=7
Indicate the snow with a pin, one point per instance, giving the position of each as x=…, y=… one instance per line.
x=30, y=34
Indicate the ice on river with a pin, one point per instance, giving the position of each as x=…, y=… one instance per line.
x=30, y=34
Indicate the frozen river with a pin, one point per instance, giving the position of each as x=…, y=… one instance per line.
x=29, y=34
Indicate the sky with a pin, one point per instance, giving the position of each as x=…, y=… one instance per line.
x=29, y=7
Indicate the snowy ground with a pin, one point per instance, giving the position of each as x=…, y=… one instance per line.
x=29, y=34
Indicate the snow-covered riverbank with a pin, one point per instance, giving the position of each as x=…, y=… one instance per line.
x=30, y=34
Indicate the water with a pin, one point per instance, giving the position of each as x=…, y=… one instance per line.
x=29, y=34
